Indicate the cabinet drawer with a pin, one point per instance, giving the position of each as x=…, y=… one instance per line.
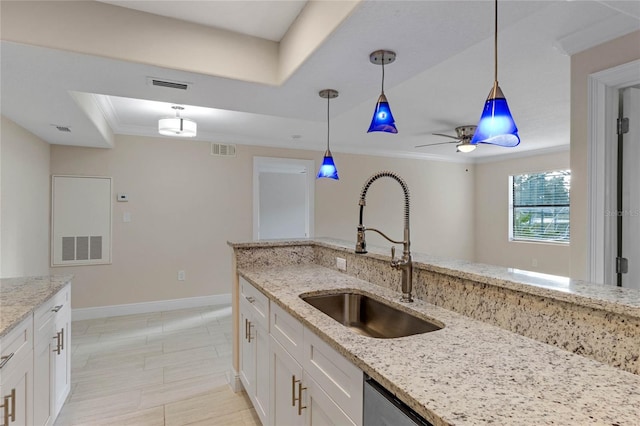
x=48, y=309
x=286, y=330
x=257, y=301
x=15, y=346
x=337, y=376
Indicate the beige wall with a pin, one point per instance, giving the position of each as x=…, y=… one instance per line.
x=492, y=217
x=616, y=52
x=441, y=194
x=24, y=205
x=185, y=204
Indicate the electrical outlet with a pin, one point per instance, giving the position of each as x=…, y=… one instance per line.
x=341, y=263
x=181, y=276
x=534, y=262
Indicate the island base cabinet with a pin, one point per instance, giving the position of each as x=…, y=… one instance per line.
x=44, y=374
x=297, y=399
x=321, y=409
x=254, y=362
x=286, y=383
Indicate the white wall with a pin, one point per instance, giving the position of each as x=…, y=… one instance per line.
x=283, y=205
x=185, y=204
x=442, y=200
x=491, y=217
x=24, y=202
x=608, y=55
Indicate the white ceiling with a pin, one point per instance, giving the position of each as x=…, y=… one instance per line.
x=440, y=80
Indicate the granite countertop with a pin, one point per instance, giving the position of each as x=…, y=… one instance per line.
x=467, y=373
x=610, y=298
x=19, y=297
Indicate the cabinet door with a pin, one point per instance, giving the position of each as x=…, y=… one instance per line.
x=247, y=353
x=286, y=375
x=44, y=373
x=322, y=410
x=62, y=379
x=16, y=394
x=260, y=338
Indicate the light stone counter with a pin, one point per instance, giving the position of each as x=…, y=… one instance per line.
x=468, y=373
x=609, y=298
x=19, y=297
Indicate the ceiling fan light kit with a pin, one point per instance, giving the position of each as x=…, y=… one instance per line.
x=382, y=120
x=496, y=125
x=328, y=168
x=177, y=126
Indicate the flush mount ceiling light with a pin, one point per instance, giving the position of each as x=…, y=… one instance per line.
x=328, y=167
x=496, y=126
x=382, y=120
x=177, y=126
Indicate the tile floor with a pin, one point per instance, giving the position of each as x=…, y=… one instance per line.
x=162, y=368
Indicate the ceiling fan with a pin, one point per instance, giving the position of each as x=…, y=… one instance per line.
x=463, y=140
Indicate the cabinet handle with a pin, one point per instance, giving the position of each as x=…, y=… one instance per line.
x=5, y=359
x=300, y=406
x=13, y=405
x=57, y=308
x=246, y=329
x=250, y=299
x=5, y=409
x=57, y=349
x=62, y=338
x=293, y=390
x=249, y=330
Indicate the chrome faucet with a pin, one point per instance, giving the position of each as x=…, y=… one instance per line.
x=404, y=263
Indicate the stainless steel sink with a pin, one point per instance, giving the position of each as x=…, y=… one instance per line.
x=368, y=316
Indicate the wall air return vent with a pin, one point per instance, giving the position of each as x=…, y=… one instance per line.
x=223, y=150
x=179, y=85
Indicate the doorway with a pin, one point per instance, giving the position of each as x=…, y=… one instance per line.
x=283, y=196
x=628, y=191
x=604, y=247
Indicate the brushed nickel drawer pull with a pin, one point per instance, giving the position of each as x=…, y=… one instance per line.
x=250, y=299
x=249, y=335
x=57, y=349
x=293, y=390
x=246, y=329
x=5, y=408
x=5, y=359
x=62, y=338
x=13, y=405
x=300, y=406
x=57, y=308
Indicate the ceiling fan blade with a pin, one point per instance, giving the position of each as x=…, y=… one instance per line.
x=446, y=136
x=434, y=144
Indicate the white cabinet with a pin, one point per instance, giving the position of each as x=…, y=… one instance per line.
x=311, y=383
x=254, y=346
x=52, y=360
x=16, y=375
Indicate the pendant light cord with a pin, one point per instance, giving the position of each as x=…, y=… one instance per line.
x=495, y=44
x=328, y=126
x=383, y=73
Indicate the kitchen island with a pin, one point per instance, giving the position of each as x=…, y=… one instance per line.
x=469, y=372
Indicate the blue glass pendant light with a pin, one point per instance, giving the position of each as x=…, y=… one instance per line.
x=382, y=120
x=328, y=167
x=496, y=126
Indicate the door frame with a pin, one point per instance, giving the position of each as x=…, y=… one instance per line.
x=284, y=165
x=603, y=97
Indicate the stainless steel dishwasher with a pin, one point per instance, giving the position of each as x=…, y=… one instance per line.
x=382, y=408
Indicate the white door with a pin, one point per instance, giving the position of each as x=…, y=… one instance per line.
x=282, y=198
x=630, y=214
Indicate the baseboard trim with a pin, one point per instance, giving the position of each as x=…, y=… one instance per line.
x=146, y=307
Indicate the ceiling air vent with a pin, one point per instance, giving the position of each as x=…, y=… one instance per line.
x=223, y=150
x=180, y=85
x=63, y=129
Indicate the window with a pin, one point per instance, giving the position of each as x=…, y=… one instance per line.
x=539, y=206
